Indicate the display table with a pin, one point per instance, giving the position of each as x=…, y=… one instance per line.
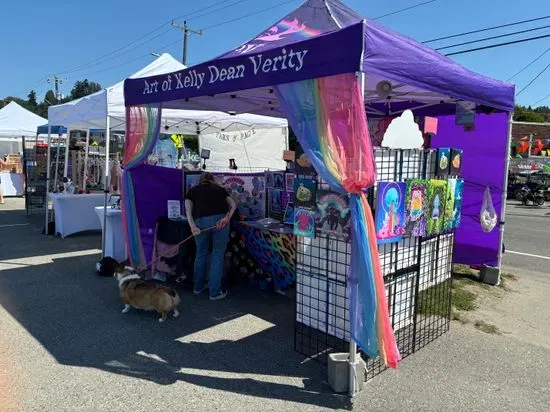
x=115, y=246
x=12, y=183
x=75, y=213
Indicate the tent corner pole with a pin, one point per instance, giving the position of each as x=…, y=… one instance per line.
x=67, y=145
x=505, y=191
x=106, y=183
x=47, y=199
x=85, y=172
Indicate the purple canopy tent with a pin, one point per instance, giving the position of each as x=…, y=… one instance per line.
x=325, y=38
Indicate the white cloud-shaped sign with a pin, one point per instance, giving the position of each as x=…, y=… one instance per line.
x=403, y=133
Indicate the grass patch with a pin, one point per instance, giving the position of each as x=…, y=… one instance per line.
x=433, y=301
x=463, y=299
x=462, y=270
x=486, y=327
x=509, y=276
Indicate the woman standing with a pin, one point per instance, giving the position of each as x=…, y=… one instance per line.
x=209, y=205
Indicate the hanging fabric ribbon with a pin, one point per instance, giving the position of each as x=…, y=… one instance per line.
x=328, y=117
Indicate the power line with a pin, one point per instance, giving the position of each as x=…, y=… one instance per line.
x=533, y=80
x=493, y=37
x=405, y=9
x=216, y=10
x=497, y=45
x=531, y=63
x=486, y=29
x=544, y=98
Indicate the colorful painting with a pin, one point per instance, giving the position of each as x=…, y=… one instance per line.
x=416, y=207
x=304, y=223
x=305, y=191
x=459, y=190
x=333, y=213
x=456, y=162
x=275, y=205
x=288, y=218
x=449, y=204
x=248, y=191
x=303, y=166
x=437, y=189
x=269, y=180
x=289, y=182
x=278, y=181
x=390, y=211
x=191, y=180
x=443, y=162
x=286, y=198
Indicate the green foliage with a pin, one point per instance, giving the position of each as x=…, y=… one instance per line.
x=527, y=114
x=83, y=88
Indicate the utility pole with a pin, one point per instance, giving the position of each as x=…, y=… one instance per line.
x=186, y=31
x=57, y=81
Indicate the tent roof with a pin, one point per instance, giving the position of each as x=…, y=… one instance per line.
x=91, y=111
x=16, y=121
x=321, y=38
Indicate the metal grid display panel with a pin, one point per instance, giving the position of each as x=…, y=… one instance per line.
x=34, y=168
x=416, y=271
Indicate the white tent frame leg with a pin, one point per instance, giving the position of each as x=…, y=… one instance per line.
x=68, y=143
x=106, y=182
x=47, y=200
x=505, y=192
x=85, y=172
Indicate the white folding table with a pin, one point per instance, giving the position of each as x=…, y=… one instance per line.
x=115, y=245
x=75, y=213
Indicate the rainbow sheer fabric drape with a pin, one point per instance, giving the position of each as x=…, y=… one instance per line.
x=328, y=117
x=142, y=130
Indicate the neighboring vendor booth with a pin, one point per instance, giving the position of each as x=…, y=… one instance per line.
x=16, y=124
x=380, y=280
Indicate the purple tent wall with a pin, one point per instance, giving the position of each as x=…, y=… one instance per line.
x=153, y=187
x=483, y=165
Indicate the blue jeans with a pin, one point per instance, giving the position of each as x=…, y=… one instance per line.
x=219, y=240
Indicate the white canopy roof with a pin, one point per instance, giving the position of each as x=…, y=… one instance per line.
x=16, y=121
x=91, y=111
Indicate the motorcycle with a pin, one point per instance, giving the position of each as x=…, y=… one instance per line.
x=521, y=193
x=534, y=198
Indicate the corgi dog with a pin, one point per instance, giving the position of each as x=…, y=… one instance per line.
x=141, y=295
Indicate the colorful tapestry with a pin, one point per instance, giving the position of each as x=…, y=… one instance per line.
x=305, y=192
x=458, y=203
x=456, y=162
x=390, y=211
x=443, y=162
x=304, y=223
x=437, y=189
x=416, y=208
x=333, y=214
x=449, y=204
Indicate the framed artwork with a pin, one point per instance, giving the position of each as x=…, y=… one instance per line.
x=449, y=204
x=289, y=182
x=437, y=190
x=269, y=180
x=248, y=191
x=456, y=162
x=416, y=207
x=303, y=166
x=390, y=211
x=275, y=205
x=278, y=181
x=289, y=214
x=191, y=180
x=304, y=223
x=333, y=213
x=443, y=162
x=305, y=191
x=286, y=198
x=459, y=189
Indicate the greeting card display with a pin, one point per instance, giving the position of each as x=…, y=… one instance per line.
x=459, y=189
x=278, y=181
x=333, y=213
x=289, y=182
x=303, y=165
x=289, y=214
x=443, y=162
x=304, y=223
x=456, y=162
x=437, y=189
x=390, y=211
x=449, y=204
x=275, y=205
x=416, y=207
x=305, y=193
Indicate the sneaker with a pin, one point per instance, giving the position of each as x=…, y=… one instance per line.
x=199, y=291
x=219, y=296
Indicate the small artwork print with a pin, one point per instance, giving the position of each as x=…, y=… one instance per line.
x=449, y=204
x=305, y=193
x=278, y=181
x=304, y=223
x=437, y=189
x=275, y=205
x=269, y=180
x=416, y=207
x=286, y=198
x=303, y=165
x=333, y=214
x=459, y=189
x=191, y=180
x=390, y=211
x=443, y=162
x=289, y=182
x=288, y=218
x=456, y=162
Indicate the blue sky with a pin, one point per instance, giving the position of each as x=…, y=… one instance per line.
x=41, y=38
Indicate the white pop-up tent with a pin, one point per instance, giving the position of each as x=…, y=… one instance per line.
x=16, y=122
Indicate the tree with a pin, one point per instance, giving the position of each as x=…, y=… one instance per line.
x=32, y=104
x=17, y=100
x=527, y=114
x=83, y=88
